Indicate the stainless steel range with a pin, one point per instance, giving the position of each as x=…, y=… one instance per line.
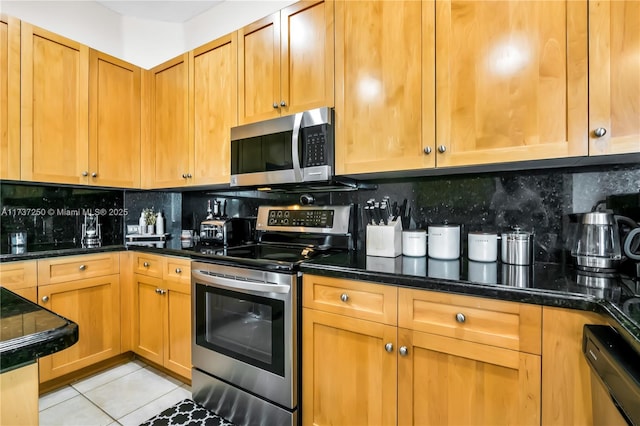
x=246, y=314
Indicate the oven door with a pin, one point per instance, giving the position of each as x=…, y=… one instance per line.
x=244, y=329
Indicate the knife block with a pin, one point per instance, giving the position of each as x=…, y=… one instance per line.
x=385, y=240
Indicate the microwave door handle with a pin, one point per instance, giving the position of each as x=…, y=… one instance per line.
x=231, y=284
x=295, y=143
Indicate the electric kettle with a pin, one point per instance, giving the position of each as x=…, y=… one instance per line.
x=598, y=246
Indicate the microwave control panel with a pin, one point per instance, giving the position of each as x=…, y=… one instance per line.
x=316, y=144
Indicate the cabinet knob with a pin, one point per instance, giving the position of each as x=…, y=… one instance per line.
x=178, y=271
x=145, y=264
x=403, y=351
x=82, y=267
x=442, y=149
x=344, y=297
x=388, y=347
x=189, y=175
x=160, y=291
x=275, y=105
x=283, y=104
x=184, y=176
x=427, y=150
x=460, y=317
x=85, y=173
x=45, y=299
x=94, y=174
x=600, y=132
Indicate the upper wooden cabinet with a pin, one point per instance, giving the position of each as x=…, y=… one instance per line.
x=80, y=113
x=384, y=86
x=9, y=98
x=114, y=122
x=55, y=108
x=614, y=77
x=285, y=62
x=167, y=158
x=213, y=94
x=511, y=81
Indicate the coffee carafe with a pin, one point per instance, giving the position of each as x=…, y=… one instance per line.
x=598, y=246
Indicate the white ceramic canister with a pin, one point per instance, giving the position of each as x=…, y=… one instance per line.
x=444, y=241
x=482, y=246
x=414, y=242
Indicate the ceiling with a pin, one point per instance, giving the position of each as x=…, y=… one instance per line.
x=160, y=10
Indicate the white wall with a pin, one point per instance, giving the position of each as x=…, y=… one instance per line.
x=145, y=43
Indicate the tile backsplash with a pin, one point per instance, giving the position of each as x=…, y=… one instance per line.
x=541, y=201
x=52, y=216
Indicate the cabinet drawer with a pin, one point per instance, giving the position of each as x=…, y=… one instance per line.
x=375, y=302
x=71, y=268
x=177, y=269
x=147, y=264
x=509, y=325
x=18, y=275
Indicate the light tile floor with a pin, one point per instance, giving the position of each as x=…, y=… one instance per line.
x=125, y=395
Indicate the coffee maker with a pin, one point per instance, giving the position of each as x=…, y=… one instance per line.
x=628, y=205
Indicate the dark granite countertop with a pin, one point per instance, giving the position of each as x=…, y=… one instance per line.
x=549, y=284
x=55, y=250
x=543, y=284
x=28, y=331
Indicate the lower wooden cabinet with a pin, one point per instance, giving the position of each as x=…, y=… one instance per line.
x=92, y=303
x=566, y=375
x=162, y=317
x=468, y=369
x=348, y=377
x=21, y=278
x=446, y=381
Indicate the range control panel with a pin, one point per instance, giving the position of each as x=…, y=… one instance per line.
x=330, y=219
x=306, y=218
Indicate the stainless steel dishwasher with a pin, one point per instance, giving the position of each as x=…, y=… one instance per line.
x=615, y=380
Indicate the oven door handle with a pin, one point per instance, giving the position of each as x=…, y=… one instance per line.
x=230, y=284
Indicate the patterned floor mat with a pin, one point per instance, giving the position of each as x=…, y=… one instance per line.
x=186, y=413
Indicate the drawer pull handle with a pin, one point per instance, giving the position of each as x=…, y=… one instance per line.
x=178, y=271
x=460, y=317
x=145, y=264
x=403, y=351
x=45, y=299
x=344, y=297
x=82, y=267
x=388, y=347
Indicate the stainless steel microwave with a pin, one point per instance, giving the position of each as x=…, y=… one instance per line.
x=286, y=150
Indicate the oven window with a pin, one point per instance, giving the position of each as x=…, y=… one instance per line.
x=245, y=327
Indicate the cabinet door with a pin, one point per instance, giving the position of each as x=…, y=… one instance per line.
x=307, y=60
x=21, y=278
x=348, y=377
x=566, y=375
x=167, y=152
x=9, y=98
x=114, y=127
x=177, y=354
x=55, y=108
x=511, y=80
x=214, y=99
x=614, y=77
x=94, y=304
x=148, y=318
x=449, y=381
x=384, y=61
x=259, y=70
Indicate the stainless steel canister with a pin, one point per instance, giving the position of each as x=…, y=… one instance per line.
x=517, y=247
